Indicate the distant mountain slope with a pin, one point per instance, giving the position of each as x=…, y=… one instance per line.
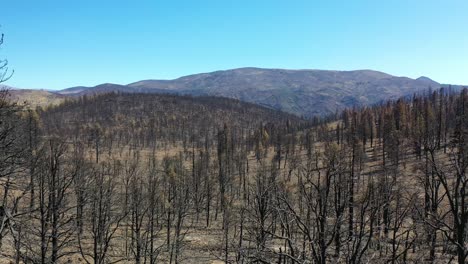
x=35, y=98
x=102, y=88
x=301, y=92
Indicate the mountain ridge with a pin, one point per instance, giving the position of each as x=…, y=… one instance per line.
x=301, y=92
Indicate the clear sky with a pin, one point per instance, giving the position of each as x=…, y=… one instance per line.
x=60, y=44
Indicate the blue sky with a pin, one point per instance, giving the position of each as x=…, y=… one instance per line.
x=59, y=44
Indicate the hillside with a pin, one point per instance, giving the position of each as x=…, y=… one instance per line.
x=300, y=92
x=31, y=97
x=161, y=118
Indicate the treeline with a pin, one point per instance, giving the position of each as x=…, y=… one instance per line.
x=93, y=180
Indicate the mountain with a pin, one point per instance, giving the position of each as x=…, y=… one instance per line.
x=300, y=92
x=102, y=88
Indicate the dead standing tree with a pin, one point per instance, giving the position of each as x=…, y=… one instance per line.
x=11, y=151
x=5, y=73
x=103, y=215
x=454, y=181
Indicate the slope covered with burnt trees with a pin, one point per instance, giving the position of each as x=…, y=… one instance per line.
x=150, y=179
x=143, y=120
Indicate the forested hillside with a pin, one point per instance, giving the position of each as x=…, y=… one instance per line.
x=143, y=178
x=154, y=120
